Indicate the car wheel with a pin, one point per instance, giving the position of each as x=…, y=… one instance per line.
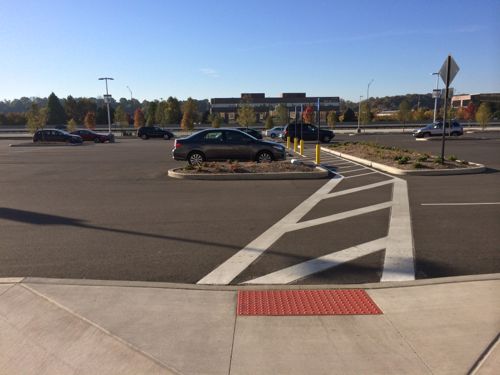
x=273, y=135
x=426, y=135
x=97, y=140
x=195, y=158
x=144, y=136
x=264, y=157
x=326, y=139
x=454, y=134
x=166, y=136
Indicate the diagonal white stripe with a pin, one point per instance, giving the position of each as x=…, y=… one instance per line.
x=310, y=267
x=360, y=188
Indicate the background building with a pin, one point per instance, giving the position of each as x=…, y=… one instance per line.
x=462, y=101
x=227, y=108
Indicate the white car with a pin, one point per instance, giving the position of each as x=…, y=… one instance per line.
x=274, y=132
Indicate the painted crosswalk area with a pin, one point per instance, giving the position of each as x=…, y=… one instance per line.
x=359, y=218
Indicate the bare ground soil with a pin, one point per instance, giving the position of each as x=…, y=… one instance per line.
x=247, y=167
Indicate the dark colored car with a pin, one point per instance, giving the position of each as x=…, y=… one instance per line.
x=225, y=144
x=55, y=135
x=307, y=132
x=254, y=133
x=92, y=136
x=146, y=132
x=436, y=129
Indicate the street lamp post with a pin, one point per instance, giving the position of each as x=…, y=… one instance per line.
x=131, y=97
x=107, y=99
x=359, y=113
x=436, y=94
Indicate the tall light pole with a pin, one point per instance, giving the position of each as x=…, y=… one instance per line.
x=130, y=93
x=107, y=99
x=359, y=113
x=436, y=94
x=368, y=89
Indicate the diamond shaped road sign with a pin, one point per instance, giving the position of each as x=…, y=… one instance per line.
x=453, y=70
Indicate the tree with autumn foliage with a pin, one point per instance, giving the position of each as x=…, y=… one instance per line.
x=469, y=112
x=139, y=119
x=308, y=115
x=89, y=120
x=189, y=114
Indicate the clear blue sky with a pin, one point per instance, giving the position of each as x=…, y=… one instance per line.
x=220, y=48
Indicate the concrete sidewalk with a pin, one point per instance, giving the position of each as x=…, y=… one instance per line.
x=48, y=326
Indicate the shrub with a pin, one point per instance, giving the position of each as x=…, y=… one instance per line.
x=423, y=158
x=439, y=160
x=418, y=165
x=404, y=160
x=452, y=158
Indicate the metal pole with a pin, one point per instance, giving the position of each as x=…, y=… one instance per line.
x=359, y=113
x=436, y=96
x=131, y=97
x=318, y=150
x=107, y=99
x=448, y=65
x=368, y=97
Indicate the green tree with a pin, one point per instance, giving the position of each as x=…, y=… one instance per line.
x=331, y=119
x=483, y=115
x=404, y=113
x=189, y=114
x=348, y=115
x=366, y=114
x=36, y=118
x=246, y=115
x=89, y=120
x=71, y=108
x=160, y=113
x=151, y=113
x=419, y=114
x=281, y=114
x=121, y=117
x=55, y=111
x=215, y=120
x=139, y=119
x=71, y=125
x=269, y=122
x=173, y=111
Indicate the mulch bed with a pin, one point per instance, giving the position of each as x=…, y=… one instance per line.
x=398, y=157
x=247, y=167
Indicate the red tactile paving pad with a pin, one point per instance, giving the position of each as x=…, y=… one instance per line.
x=306, y=302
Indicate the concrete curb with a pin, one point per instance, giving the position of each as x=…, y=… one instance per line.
x=319, y=173
x=229, y=288
x=478, y=168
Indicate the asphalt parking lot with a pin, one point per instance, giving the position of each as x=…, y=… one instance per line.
x=108, y=211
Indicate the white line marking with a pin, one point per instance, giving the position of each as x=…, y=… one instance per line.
x=459, y=204
x=399, y=260
x=348, y=169
x=227, y=271
x=339, y=216
x=310, y=267
x=359, y=188
x=359, y=175
x=353, y=170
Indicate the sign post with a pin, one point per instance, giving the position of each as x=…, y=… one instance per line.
x=447, y=73
x=318, y=149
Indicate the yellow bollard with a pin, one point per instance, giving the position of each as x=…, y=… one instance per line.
x=318, y=159
x=302, y=147
x=295, y=144
x=287, y=142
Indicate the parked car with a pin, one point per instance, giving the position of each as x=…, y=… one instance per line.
x=90, y=135
x=55, y=135
x=146, y=132
x=308, y=132
x=275, y=132
x=252, y=132
x=225, y=144
x=436, y=129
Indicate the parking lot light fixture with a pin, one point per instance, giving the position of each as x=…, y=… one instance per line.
x=107, y=98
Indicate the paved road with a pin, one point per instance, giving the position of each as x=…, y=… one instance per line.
x=110, y=212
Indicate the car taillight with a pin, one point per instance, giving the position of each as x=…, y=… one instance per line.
x=177, y=144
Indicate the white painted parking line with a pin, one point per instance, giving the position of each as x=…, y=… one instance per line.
x=359, y=175
x=399, y=256
x=232, y=267
x=354, y=170
x=310, y=267
x=460, y=204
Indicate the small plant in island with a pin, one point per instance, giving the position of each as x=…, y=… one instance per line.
x=452, y=158
x=418, y=165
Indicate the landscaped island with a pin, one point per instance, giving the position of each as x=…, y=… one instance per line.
x=398, y=157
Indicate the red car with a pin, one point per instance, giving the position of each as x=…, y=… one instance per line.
x=90, y=135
